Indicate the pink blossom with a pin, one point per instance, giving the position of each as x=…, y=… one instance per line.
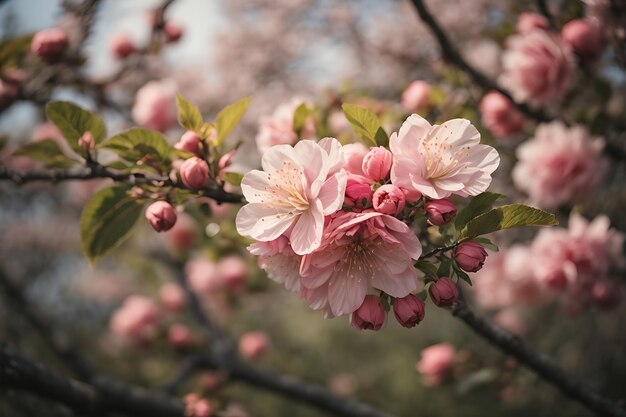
x=202, y=275
x=510, y=320
x=606, y=294
x=86, y=142
x=296, y=189
x=559, y=165
x=233, y=272
x=436, y=363
x=389, y=199
x=136, y=319
x=500, y=116
x=161, y=216
x=470, y=256
x=528, y=22
x=360, y=252
x=444, y=292
x=278, y=128
x=253, y=345
x=48, y=44
x=121, y=46
x=538, y=67
x=370, y=315
x=179, y=336
x=172, y=297
x=377, y=163
x=155, y=105
x=173, y=32
x=354, y=154
x=194, y=173
x=279, y=261
x=584, y=37
x=440, y=212
x=189, y=142
x=358, y=195
x=441, y=160
x=574, y=259
x=183, y=235
x=409, y=310
x=197, y=407
x=416, y=95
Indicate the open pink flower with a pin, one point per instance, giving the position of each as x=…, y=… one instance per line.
x=440, y=160
x=296, y=189
x=360, y=252
x=538, y=67
x=279, y=261
x=559, y=165
x=278, y=128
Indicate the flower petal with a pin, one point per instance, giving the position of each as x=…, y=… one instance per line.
x=306, y=235
x=332, y=192
x=263, y=222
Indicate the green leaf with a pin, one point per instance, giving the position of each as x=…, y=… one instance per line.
x=428, y=268
x=189, y=115
x=13, y=50
x=477, y=206
x=300, y=116
x=366, y=125
x=233, y=178
x=228, y=118
x=74, y=121
x=486, y=243
x=506, y=217
x=135, y=144
x=107, y=220
x=458, y=272
x=48, y=152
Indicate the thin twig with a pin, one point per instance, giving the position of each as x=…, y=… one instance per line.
x=546, y=369
x=542, y=5
x=438, y=250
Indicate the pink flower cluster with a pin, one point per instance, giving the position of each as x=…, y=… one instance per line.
x=573, y=263
x=559, y=165
x=327, y=217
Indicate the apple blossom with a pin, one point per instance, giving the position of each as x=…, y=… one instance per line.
x=121, y=46
x=389, y=199
x=500, y=116
x=409, y=310
x=155, y=105
x=136, y=319
x=189, y=142
x=370, y=315
x=253, y=345
x=161, y=216
x=358, y=195
x=444, y=292
x=49, y=44
x=470, y=256
x=528, y=22
x=584, y=37
x=172, y=297
x=436, y=363
x=194, y=173
x=416, y=95
x=377, y=163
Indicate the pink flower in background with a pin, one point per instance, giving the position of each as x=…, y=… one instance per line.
x=528, y=22
x=202, y=275
x=578, y=257
x=416, y=95
x=559, y=165
x=584, y=37
x=48, y=44
x=359, y=252
x=436, y=364
x=278, y=128
x=183, y=235
x=296, y=189
x=233, y=271
x=440, y=160
x=136, y=319
x=172, y=297
x=155, y=105
x=500, y=116
x=254, y=345
x=173, y=32
x=121, y=46
x=279, y=261
x=179, y=336
x=370, y=315
x=538, y=67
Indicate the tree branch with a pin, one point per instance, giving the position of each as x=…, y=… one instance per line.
x=452, y=55
x=18, y=372
x=542, y=5
x=546, y=369
x=100, y=171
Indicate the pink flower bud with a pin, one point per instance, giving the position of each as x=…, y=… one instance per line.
x=389, y=199
x=358, y=195
x=161, y=216
x=440, y=212
x=136, y=319
x=527, y=22
x=253, y=345
x=584, y=38
x=173, y=32
x=189, y=142
x=416, y=95
x=409, y=310
x=179, y=336
x=86, y=142
x=183, y=235
x=444, y=292
x=172, y=297
x=233, y=272
x=195, y=173
x=370, y=316
x=121, y=46
x=49, y=44
x=197, y=407
x=436, y=363
x=605, y=294
x=470, y=256
x=500, y=116
x=377, y=163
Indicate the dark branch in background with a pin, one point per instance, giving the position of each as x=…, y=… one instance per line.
x=452, y=55
x=100, y=171
x=514, y=346
x=542, y=5
x=19, y=373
